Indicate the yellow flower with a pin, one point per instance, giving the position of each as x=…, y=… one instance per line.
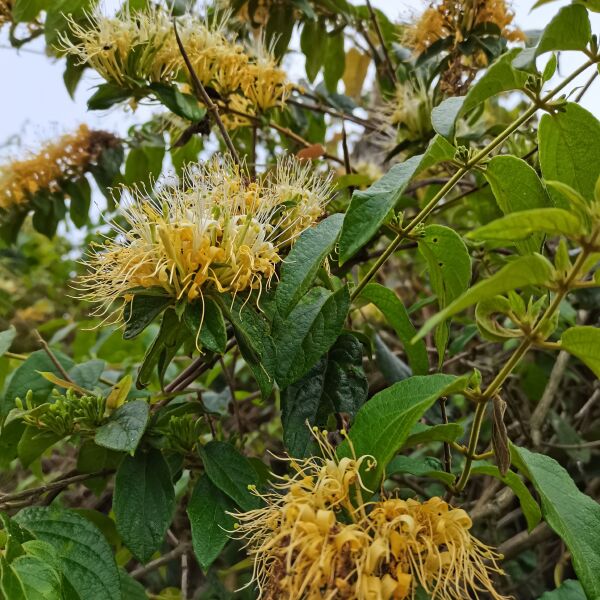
x=454, y=18
x=5, y=12
x=316, y=538
x=136, y=48
x=264, y=83
x=67, y=158
x=409, y=110
x=218, y=232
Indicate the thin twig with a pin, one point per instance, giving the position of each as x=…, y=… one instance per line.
x=594, y=444
x=281, y=129
x=586, y=87
x=386, y=56
x=57, y=484
x=185, y=576
x=524, y=540
x=543, y=406
x=447, y=453
x=52, y=357
x=231, y=385
x=196, y=368
x=205, y=98
x=347, y=164
x=161, y=560
x=334, y=113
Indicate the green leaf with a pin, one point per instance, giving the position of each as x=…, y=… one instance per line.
x=500, y=77
x=384, y=423
x=529, y=506
x=334, y=60
x=302, y=263
x=278, y=30
x=231, y=472
x=524, y=271
x=584, y=343
x=143, y=165
x=336, y=384
x=369, y=209
x=569, y=145
x=33, y=443
x=443, y=116
x=570, y=29
x=205, y=321
x=141, y=311
x=252, y=332
x=40, y=580
x=107, y=95
x=427, y=466
x=125, y=427
x=574, y=516
x=183, y=105
x=85, y=558
x=26, y=10
x=58, y=12
x=395, y=312
x=171, y=336
x=6, y=339
x=422, y=434
x=11, y=587
x=72, y=75
x=207, y=511
x=568, y=590
x=449, y=266
x=87, y=374
x=80, y=193
x=107, y=170
x=448, y=261
x=392, y=367
x=517, y=187
x=130, y=588
x=520, y=225
x=308, y=332
x=313, y=40
x=144, y=502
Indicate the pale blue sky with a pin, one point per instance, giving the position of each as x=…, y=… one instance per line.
x=34, y=101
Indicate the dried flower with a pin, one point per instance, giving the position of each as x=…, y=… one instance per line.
x=219, y=232
x=5, y=12
x=65, y=159
x=316, y=538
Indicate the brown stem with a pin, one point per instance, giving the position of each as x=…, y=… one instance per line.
x=52, y=357
x=334, y=113
x=203, y=96
x=57, y=484
x=231, y=385
x=161, y=560
x=386, y=56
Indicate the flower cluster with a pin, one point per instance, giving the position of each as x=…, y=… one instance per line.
x=455, y=18
x=219, y=231
x=64, y=159
x=137, y=48
x=453, y=21
x=316, y=538
x=409, y=111
x=67, y=413
x=5, y=11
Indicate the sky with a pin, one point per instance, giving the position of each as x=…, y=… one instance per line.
x=35, y=105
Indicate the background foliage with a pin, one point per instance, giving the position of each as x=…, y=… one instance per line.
x=444, y=310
